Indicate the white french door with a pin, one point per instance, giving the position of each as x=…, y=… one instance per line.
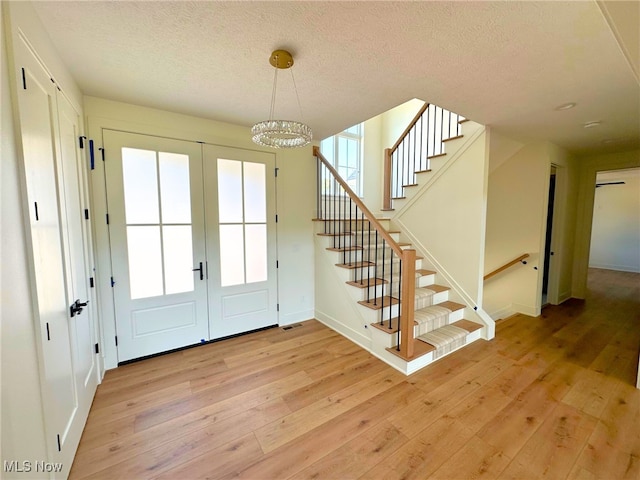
x=193, y=241
x=241, y=240
x=156, y=229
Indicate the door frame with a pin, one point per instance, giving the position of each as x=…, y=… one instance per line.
x=97, y=187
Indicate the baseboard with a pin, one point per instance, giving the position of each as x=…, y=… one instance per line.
x=617, y=268
x=504, y=312
x=296, y=317
x=356, y=337
x=525, y=309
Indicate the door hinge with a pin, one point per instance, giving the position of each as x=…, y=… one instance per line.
x=101, y=152
x=276, y=169
x=48, y=333
x=91, y=284
x=113, y=282
x=86, y=214
x=24, y=80
x=92, y=158
x=276, y=218
x=81, y=140
x=277, y=307
x=116, y=340
x=97, y=348
x=277, y=264
x=107, y=216
x=59, y=445
x=35, y=204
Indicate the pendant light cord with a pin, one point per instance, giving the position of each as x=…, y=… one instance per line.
x=273, y=93
x=297, y=96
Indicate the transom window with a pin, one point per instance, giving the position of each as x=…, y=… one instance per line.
x=344, y=152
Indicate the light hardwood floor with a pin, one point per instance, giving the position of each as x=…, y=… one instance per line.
x=549, y=397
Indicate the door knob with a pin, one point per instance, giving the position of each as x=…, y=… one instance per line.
x=76, y=307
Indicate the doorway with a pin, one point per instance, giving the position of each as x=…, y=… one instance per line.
x=548, y=244
x=192, y=234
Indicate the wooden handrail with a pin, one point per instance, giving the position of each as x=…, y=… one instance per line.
x=374, y=221
x=506, y=265
x=411, y=125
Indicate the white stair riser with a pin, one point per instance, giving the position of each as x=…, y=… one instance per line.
x=371, y=316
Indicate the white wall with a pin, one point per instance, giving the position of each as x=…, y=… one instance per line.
x=22, y=421
x=516, y=224
x=373, y=161
x=446, y=218
x=516, y=215
x=589, y=166
x=295, y=201
x=615, y=234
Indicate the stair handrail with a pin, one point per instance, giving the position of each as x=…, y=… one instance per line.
x=356, y=199
x=407, y=258
x=507, y=265
x=408, y=129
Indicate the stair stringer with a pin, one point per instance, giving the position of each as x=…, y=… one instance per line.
x=475, y=145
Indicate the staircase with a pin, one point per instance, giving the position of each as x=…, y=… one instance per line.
x=411, y=317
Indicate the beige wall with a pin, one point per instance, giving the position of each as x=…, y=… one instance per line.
x=589, y=166
x=295, y=200
x=615, y=234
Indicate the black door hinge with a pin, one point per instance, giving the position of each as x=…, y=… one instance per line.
x=24, y=80
x=48, y=333
x=91, y=284
x=276, y=169
x=113, y=282
x=277, y=264
x=35, y=204
x=59, y=445
x=92, y=158
x=101, y=152
x=116, y=340
x=86, y=214
x=81, y=140
x=107, y=216
x=276, y=218
x=277, y=307
x=96, y=348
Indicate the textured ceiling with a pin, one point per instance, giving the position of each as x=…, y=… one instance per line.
x=505, y=64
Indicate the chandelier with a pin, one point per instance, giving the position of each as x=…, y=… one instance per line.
x=281, y=133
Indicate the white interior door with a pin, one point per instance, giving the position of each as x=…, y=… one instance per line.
x=156, y=229
x=75, y=245
x=64, y=344
x=241, y=239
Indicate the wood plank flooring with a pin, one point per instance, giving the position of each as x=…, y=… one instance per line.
x=549, y=397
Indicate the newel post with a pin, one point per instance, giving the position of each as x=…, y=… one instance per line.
x=407, y=302
x=386, y=199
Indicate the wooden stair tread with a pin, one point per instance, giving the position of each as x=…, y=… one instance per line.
x=463, y=120
x=437, y=156
x=452, y=138
x=385, y=326
x=343, y=234
x=437, y=288
x=410, y=185
x=398, y=198
x=449, y=305
x=368, y=282
x=423, y=271
x=420, y=348
x=424, y=171
x=378, y=302
x=353, y=265
x=467, y=325
x=387, y=209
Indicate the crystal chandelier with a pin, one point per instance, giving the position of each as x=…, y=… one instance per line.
x=281, y=133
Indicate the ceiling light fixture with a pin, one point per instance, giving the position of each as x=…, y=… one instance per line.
x=281, y=133
x=595, y=123
x=566, y=106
